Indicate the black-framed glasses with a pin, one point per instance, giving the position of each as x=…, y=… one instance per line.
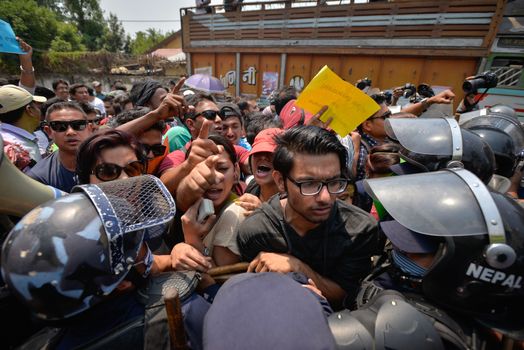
x=383, y=116
x=313, y=187
x=110, y=171
x=97, y=120
x=157, y=149
x=62, y=126
x=209, y=114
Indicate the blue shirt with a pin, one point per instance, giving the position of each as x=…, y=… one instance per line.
x=50, y=171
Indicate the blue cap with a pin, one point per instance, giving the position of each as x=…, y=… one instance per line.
x=266, y=311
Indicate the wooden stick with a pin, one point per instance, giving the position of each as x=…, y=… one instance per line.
x=228, y=269
x=177, y=334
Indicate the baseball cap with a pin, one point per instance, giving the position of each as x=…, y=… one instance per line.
x=229, y=109
x=96, y=83
x=409, y=241
x=266, y=311
x=13, y=97
x=265, y=141
x=292, y=115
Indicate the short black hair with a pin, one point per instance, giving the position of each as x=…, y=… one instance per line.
x=13, y=116
x=74, y=87
x=282, y=96
x=195, y=99
x=132, y=114
x=310, y=140
x=59, y=81
x=255, y=122
x=64, y=105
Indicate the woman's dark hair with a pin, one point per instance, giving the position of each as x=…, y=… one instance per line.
x=382, y=157
x=310, y=140
x=220, y=140
x=90, y=150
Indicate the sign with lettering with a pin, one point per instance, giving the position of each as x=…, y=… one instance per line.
x=347, y=105
x=249, y=76
x=229, y=79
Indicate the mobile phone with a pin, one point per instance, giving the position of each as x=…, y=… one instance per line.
x=205, y=210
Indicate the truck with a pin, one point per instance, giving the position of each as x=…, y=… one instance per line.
x=260, y=46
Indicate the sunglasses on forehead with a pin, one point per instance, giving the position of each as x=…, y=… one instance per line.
x=157, y=149
x=62, y=126
x=383, y=116
x=96, y=121
x=110, y=171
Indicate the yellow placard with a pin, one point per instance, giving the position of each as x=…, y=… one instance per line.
x=347, y=105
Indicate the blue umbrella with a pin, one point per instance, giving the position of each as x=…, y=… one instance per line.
x=204, y=82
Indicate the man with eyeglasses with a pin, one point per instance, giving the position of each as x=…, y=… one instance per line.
x=67, y=125
x=306, y=229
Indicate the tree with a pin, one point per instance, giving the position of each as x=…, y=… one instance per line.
x=115, y=38
x=67, y=39
x=146, y=40
x=88, y=17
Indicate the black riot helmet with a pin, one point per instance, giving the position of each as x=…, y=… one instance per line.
x=504, y=134
x=478, y=268
x=68, y=254
x=503, y=109
x=432, y=144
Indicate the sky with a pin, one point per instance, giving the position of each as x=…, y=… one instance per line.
x=148, y=12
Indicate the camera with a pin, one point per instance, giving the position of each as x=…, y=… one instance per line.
x=409, y=90
x=485, y=80
x=364, y=83
x=425, y=90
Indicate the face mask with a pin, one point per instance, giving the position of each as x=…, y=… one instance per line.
x=407, y=265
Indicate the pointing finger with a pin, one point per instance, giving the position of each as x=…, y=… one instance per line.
x=178, y=86
x=205, y=129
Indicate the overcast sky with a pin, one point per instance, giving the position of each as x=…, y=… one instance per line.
x=151, y=12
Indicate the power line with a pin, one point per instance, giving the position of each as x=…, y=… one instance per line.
x=149, y=20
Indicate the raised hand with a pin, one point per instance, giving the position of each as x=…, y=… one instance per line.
x=173, y=104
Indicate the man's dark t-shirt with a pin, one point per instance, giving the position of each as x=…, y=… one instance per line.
x=50, y=171
x=339, y=249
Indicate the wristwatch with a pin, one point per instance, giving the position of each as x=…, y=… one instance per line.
x=24, y=71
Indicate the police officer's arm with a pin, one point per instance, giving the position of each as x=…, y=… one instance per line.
x=284, y=263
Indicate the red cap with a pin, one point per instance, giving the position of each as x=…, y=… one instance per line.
x=265, y=141
x=291, y=114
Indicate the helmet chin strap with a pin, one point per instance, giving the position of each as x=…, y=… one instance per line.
x=498, y=253
x=456, y=144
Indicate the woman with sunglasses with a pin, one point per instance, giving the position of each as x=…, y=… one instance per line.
x=113, y=154
x=109, y=155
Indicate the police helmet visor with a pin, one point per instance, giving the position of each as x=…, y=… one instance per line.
x=437, y=203
x=430, y=136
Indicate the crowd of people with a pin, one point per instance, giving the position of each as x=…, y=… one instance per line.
x=407, y=233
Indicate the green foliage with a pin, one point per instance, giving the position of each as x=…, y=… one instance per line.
x=88, y=17
x=68, y=39
x=115, y=39
x=146, y=40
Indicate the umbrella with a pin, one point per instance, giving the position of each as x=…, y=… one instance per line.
x=204, y=82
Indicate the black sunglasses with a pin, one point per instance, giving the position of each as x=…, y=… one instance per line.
x=157, y=149
x=110, y=171
x=96, y=121
x=209, y=114
x=61, y=126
